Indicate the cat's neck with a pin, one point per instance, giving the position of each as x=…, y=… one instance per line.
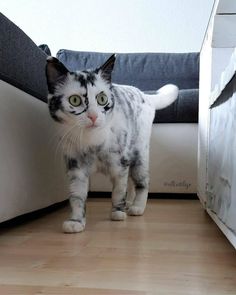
x=83, y=139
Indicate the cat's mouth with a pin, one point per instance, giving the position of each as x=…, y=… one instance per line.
x=91, y=126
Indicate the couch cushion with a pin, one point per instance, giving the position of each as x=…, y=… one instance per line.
x=145, y=71
x=22, y=63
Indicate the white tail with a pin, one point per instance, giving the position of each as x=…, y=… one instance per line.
x=164, y=96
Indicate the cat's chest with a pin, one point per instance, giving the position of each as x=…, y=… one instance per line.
x=108, y=159
x=110, y=156
x=107, y=152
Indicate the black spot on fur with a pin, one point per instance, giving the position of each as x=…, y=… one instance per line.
x=140, y=185
x=86, y=159
x=55, y=104
x=108, y=107
x=124, y=162
x=91, y=78
x=140, y=179
x=77, y=114
x=71, y=163
x=81, y=200
x=85, y=99
x=85, y=78
x=136, y=159
x=81, y=79
x=120, y=206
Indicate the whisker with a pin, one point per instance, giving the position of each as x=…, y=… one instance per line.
x=63, y=141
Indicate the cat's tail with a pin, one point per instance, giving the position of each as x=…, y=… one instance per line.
x=165, y=96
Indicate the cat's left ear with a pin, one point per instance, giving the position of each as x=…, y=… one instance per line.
x=107, y=68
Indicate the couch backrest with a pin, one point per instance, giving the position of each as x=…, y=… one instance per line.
x=147, y=71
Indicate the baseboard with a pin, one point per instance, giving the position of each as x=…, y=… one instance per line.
x=32, y=215
x=176, y=196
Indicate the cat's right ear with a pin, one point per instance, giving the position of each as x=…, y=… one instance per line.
x=55, y=72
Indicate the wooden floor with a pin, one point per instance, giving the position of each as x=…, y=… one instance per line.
x=174, y=248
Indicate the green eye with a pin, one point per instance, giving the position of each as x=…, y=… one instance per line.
x=75, y=100
x=102, y=99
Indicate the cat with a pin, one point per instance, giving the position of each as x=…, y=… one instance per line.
x=106, y=127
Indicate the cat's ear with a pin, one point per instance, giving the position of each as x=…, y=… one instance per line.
x=107, y=68
x=55, y=72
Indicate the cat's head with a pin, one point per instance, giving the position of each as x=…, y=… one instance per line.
x=82, y=98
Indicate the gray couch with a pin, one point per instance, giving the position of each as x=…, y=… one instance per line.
x=31, y=176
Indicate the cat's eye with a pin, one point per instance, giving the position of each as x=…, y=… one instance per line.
x=75, y=100
x=102, y=99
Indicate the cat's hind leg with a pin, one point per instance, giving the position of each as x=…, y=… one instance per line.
x=131, y=193
x=139, y=173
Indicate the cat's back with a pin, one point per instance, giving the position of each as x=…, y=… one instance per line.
x=132, y=102
x=127, y=93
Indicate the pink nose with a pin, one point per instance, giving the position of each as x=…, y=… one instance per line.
x=92, y=117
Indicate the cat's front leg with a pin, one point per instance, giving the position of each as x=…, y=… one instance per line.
x=119, y=196
x=78, y=194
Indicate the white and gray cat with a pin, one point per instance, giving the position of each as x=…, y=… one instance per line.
x=105, y=127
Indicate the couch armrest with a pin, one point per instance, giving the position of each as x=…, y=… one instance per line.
x=22, y=63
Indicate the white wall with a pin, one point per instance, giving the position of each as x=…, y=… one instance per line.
x=112, y=25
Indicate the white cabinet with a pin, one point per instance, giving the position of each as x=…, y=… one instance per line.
x=216, y=154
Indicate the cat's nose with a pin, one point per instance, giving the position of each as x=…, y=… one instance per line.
x=92, y=117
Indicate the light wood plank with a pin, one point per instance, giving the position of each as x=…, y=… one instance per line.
x=175, y=248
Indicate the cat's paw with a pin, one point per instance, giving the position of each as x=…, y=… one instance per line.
x=118, y=215
x=128, y=205
x=70, y=226
x=135, y=211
